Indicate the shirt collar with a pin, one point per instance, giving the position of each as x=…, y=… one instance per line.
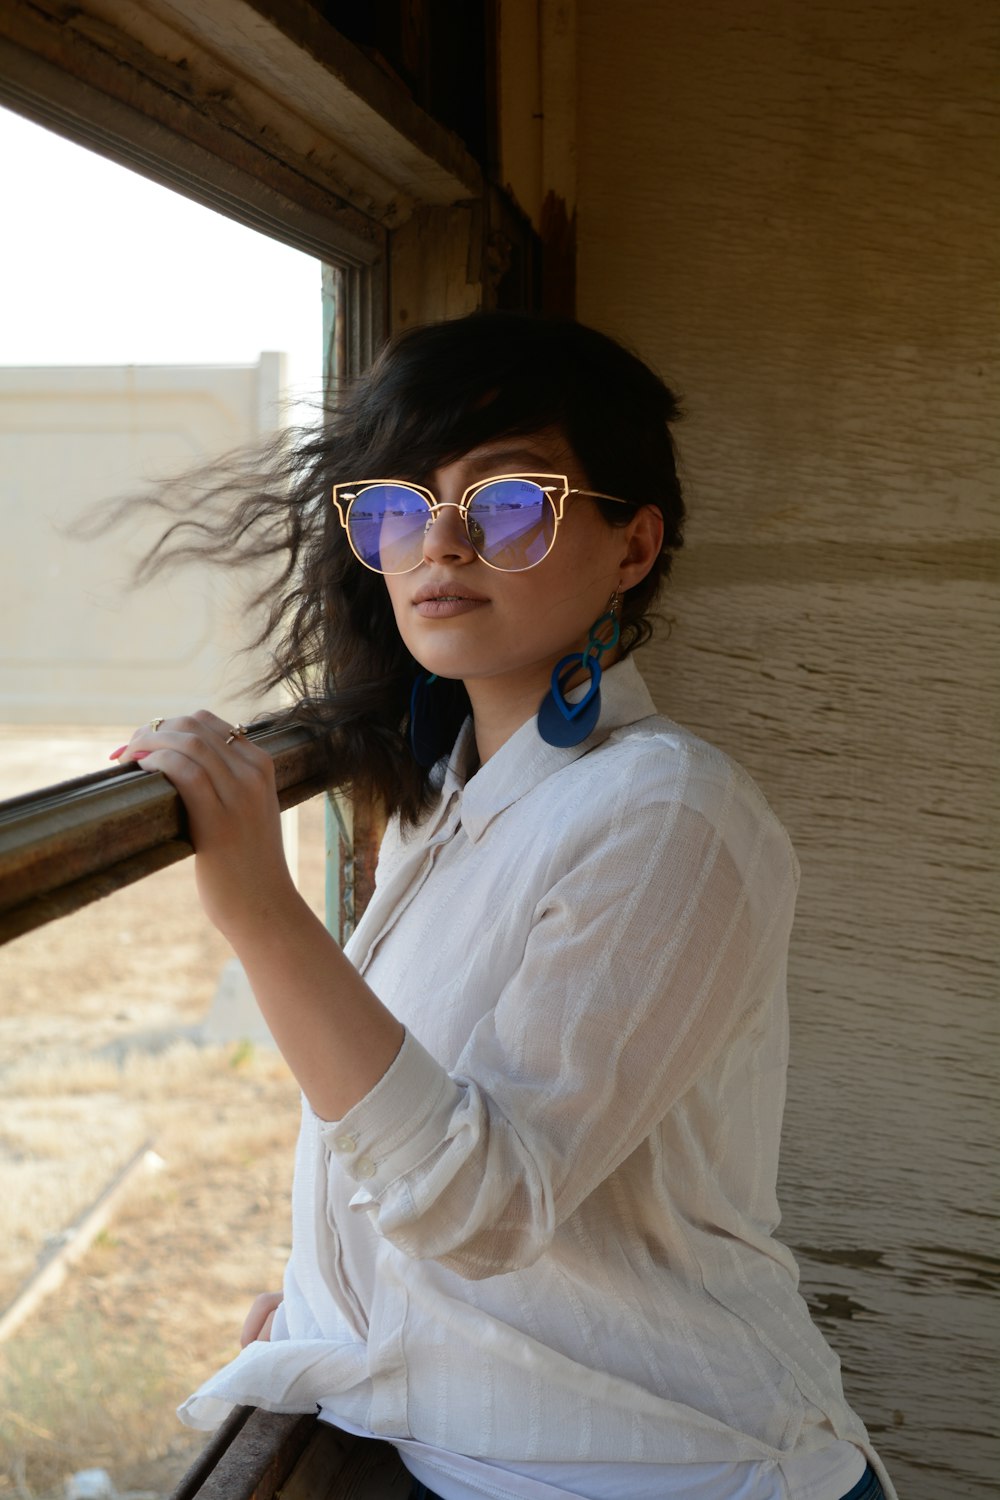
x=525, y=759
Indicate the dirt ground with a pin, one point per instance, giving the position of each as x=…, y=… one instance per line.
x=100, y=1053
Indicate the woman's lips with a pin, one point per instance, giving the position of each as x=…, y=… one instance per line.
x=445, y=606
x=442, y=601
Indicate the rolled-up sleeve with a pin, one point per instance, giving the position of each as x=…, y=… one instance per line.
x=659, y=936
x=392, y=1133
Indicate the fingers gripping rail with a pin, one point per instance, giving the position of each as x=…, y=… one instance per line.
x=67, y=845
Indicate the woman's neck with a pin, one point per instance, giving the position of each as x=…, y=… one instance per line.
x=500, y=707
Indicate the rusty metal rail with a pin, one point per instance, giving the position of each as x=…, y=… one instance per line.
x=67, y=845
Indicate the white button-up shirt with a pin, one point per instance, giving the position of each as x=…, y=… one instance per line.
x=547, y=1233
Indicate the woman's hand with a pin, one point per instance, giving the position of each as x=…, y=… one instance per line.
x=227, y=786
x=257, y=1325
x=335, y=1035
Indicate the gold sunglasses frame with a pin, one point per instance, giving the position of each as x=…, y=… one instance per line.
x=546, y=483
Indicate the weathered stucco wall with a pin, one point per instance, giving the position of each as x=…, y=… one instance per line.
x=79, y=646
x=793, y=210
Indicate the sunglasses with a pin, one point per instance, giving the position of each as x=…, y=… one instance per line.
x=511, y=519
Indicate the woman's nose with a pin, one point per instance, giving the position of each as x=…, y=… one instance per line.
x=446, y=538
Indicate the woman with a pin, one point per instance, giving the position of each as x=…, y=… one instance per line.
x=542, y=1087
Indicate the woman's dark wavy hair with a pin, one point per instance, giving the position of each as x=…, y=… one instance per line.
x=431, y=395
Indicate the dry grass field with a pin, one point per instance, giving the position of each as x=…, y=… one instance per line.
x=100, y=1053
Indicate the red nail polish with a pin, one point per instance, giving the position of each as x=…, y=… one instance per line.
x=115, y=753
x=141, y=754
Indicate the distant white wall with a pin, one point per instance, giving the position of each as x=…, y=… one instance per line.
x=77, y=645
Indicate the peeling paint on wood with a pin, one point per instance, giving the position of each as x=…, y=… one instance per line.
x=310, y=114
x=436, y=266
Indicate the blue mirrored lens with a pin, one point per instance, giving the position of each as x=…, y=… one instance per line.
x=512, y=524
x=387, y=523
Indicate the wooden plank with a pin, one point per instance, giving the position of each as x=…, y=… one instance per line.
x=68, y=845
x=322, y=1463
x=339, y=1466
x=283, y=99
x=819, y=279
x=255, y=1455
x=256, y=1463
x=221, y=1440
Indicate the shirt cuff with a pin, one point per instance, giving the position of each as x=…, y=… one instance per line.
x=395, y=1127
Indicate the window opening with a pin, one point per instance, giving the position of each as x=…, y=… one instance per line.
x=131, y=317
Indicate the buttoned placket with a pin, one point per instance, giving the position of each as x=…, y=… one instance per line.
x=441, y=831
x=396, y=886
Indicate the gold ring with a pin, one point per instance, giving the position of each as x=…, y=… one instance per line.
x=155, y=723
x=238, y=732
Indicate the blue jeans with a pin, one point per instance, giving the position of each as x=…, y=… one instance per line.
x=867, y=1488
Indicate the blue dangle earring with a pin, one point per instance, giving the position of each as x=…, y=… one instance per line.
x=560, y=722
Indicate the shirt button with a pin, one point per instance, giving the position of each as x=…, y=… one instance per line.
x=346, y=1144
x=364, y=1168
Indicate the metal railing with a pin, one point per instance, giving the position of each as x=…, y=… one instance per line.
x=67, y=845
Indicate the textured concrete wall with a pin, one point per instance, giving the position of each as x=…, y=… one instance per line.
x=793, y=211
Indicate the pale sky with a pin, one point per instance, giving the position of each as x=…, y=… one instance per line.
x=98, y=265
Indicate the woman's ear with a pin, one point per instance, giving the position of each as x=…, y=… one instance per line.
x=644, y=542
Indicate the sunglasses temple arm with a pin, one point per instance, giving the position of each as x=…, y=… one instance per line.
x=599, y=495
